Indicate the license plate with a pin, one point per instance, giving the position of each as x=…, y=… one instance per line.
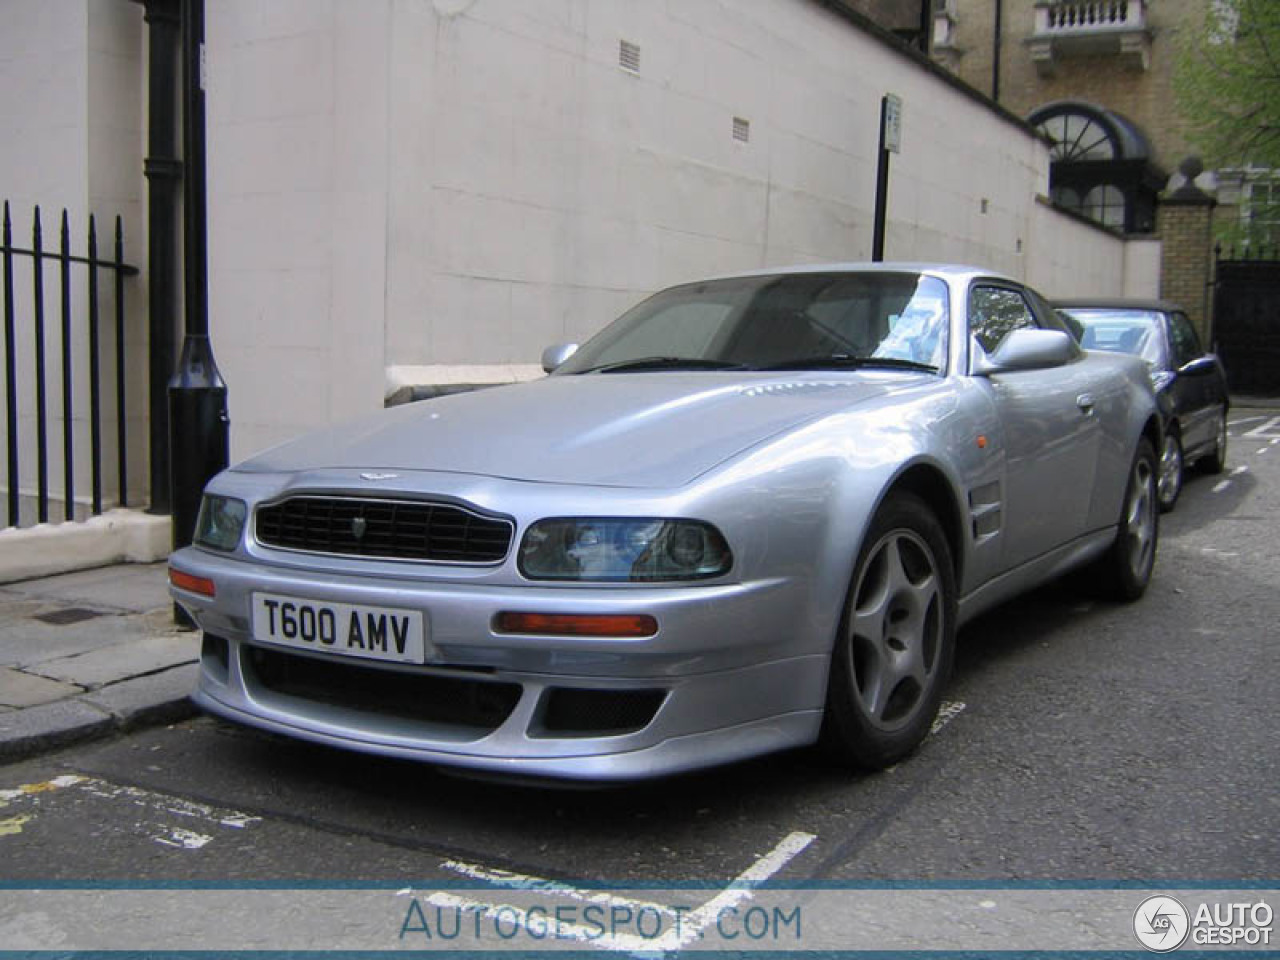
x=375, y=633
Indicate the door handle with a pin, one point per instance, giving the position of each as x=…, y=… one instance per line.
x=1085, y=402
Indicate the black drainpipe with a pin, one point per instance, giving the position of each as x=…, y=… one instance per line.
x=198, y=424
x=995, y=53
x=926, y=25
x=163, y=168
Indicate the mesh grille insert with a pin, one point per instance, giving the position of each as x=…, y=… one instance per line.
x=584, y=713
x=429, y=698
x=384, y=529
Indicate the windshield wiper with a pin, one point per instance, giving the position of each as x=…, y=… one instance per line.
x=842, y=361
x=663, y=363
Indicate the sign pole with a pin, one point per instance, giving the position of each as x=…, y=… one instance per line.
x=890, y=142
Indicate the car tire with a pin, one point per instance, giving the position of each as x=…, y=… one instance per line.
x=1216, y=461
x=1169, y=482
x=1125, y=569
x=896, y=640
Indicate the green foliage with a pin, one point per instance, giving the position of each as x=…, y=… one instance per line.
x=1228, y=83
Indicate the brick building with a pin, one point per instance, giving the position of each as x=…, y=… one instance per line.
x=1097, y=78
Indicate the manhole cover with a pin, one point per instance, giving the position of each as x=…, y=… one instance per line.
x=68, y=615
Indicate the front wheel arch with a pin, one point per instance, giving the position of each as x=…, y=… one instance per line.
x=931, y=487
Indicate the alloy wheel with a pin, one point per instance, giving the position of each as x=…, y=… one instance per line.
x=1140, y=517
x=896, y=629
x=1170, y=484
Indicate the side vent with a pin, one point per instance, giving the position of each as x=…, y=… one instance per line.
x=985, y=511
x=629, y=56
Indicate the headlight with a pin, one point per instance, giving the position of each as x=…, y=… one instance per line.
x=615, y=549
x=221, y=522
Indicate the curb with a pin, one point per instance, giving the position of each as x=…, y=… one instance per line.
x=132, y=704
x=117, y=536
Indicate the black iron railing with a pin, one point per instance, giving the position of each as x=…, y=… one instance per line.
x=21, y=376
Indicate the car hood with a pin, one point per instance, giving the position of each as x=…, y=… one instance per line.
x=632, y=430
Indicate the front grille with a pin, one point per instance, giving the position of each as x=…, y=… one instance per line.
x=383, y=529
x=483, y=705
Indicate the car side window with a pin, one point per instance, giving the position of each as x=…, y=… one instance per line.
x=996, y=311
x=1186, y=345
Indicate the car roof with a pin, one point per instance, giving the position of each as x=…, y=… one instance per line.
x=1116, y=303
x=953, y=271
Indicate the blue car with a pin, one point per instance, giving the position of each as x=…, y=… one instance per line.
x=1190, y=383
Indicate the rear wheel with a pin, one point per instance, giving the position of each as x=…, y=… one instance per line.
x=1216, y=461
x=1171, y=466
x=896, y=640
x=1124, y=570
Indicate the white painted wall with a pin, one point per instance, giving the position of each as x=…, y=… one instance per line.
x=432, y=183
x=297, y=155
x=1070, y=257
x=424, y=184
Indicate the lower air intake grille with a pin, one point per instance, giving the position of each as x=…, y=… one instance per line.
x=426, y=698
x=592, y=713
x=383, y=529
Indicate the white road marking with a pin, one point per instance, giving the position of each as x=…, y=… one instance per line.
x=519, y=881
x=1264, y=431
x=183, y=839
x=1215, y=552
x=689, y=925
x=1244, y=420
x=158, y=810
x=946, y=713
x=1224, y=484
x=31, y=789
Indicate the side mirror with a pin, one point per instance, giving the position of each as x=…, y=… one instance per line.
x=553, y=356
x=1197, y=367
x=1025, y=350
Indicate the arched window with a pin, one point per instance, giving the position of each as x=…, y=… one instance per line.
x=1101, y=165
x=1078, y=137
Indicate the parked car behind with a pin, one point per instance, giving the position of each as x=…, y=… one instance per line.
x=748, y=515
x=1190, y=383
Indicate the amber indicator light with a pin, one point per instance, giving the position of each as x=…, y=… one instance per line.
x=187, y=581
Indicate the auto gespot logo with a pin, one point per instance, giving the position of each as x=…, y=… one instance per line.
x=1162, y=924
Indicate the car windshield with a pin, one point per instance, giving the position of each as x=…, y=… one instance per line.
x=787, y=321
x=1121, y=331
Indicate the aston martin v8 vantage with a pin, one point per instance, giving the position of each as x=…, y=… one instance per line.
x=748, y=515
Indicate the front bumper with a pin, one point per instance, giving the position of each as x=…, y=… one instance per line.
x=734, y=671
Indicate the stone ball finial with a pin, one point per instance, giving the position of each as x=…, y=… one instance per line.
x=1191, y=167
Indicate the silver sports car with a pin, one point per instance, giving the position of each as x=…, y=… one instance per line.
x=748, y=515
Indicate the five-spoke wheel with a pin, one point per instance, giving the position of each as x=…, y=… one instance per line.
x=894, y=648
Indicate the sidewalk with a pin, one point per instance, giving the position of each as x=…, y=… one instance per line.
x=85, y=654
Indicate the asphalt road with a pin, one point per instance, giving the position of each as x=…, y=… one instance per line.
x=1083, y=741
